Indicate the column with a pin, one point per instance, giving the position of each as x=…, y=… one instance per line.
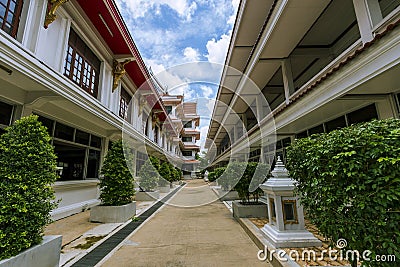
x=288, y=86
x=368, y=14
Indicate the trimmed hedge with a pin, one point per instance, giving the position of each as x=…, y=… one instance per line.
x=349, y=180
x=148, y=174
x=117, y=183
x=27, y=170
x=216, y=173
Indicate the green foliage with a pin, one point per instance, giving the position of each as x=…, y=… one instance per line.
x=117, y=184
x=216, y=173
x=155, y=162
x=349, y=180
x=148, y=175
x=254, y=174
x=177, y=174
x=165, y=174
x=27, y=170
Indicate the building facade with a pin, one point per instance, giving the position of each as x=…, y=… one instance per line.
x=186, y=120
x=78, y=69
x=320, y=66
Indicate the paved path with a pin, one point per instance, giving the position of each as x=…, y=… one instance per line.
x=205, y=235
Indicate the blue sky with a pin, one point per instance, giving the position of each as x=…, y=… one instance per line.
x=169, y=33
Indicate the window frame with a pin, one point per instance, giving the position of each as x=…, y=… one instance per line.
x=87, y=74
x=16, y=18
x=124, y=105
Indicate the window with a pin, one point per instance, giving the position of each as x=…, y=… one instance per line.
x=187, y=124
x=168, y=109
x=186, y=139
x=125, y=99
x=335, y=124
x=6, y=112
x=140, y=160
x=363, y=114
x=81, y=65
x=289, y=211
x=78, y=152
x=187, y=153
x=10, y=13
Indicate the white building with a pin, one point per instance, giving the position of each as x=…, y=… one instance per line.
x=320, y=65
x=77, y=67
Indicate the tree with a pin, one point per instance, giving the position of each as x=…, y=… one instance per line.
x=165, y=174
x=349, y=180
x=117, y=184
x=254, y=173
x=27, y=171
x=148, y=175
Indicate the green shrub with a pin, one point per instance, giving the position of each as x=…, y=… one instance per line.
x=349, y=180
x=148, y=175
x=216, y=173
x=27, y=170
x=165, y=174
x=177, y=174
x=254, y=174
x=117, y=183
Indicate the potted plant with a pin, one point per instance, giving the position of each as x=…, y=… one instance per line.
x=27, y=171
x=165, y=178
x=148, y=179
x=117, y=189
x=248, y=189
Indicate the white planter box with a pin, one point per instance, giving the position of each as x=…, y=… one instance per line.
x=259, y=210
x=147, y=196
x=113, y=214
x=46, y=254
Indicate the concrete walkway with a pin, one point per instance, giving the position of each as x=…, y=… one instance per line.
x=205, y=235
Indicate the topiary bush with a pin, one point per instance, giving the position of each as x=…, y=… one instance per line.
x=165, y=174
x=27, y=171
x=148, y=176
x=254, y=173
x=117, y=183
x=349, y=180
x=216, y=173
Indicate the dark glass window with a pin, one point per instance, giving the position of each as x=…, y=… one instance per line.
x=168, y=109
x=125, y=99
x=362, y=115
x=316, y=130
x=72, y=160
x=140, y=160
x=47, y=123
x=10, y=13
x=289, y=208
x=64, y=132
x=187, y=124
x=286, y=142
x=187, y=153
x=93, y=164
x=6, y=111
x=186, y=139
x=2, y=131
x=81, y=64
x=335, y=124
x=302, y=135
x=82, y=137
x=95, y=141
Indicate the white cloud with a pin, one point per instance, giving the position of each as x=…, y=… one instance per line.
x=191, y=54
x=207, y=91
x=217, y=49
x=140, y=8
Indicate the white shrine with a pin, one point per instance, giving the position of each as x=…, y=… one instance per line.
x=286, y=217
